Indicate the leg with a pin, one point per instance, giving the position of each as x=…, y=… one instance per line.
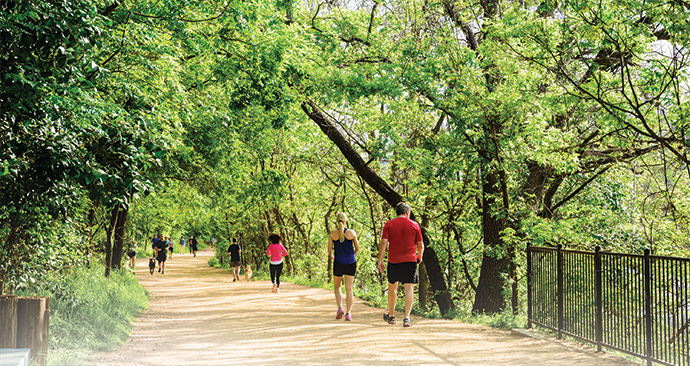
x=349, y=294
x=274, y=273
x=392, y=297
x=409, y=298
x=337, y=281
x=278, y=273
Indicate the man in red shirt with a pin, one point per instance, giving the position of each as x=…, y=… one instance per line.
x=403, y=238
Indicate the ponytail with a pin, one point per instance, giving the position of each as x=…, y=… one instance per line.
x=342, y=219
x=341, y=231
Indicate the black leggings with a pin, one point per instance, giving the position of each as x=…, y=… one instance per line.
x=276, y=270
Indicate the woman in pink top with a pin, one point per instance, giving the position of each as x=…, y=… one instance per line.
x=276, y=251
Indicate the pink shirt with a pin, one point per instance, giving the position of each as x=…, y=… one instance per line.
x=276, y=252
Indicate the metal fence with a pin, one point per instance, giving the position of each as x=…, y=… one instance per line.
x=636, y=304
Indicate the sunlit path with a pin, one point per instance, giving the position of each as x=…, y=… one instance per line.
x=198, y=316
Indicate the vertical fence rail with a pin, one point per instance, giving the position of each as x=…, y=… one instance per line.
x=648, y=307
x=636, y=304
x=599, y=332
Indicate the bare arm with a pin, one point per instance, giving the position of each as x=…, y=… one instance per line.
x=382, y=251
x=420, y=251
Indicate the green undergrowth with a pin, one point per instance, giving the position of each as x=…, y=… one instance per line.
x=88, y=312
x=374, y=295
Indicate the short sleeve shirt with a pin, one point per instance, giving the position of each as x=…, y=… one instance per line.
x=234, y=251
x=162, y=245
x=403, y=235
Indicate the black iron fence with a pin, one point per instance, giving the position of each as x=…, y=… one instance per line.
x=636, y=304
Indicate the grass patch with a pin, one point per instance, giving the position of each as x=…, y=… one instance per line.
x=88, y=312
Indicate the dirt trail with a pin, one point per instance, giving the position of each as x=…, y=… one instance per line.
x=198, y=316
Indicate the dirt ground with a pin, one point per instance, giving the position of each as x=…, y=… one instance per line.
x=198, y=316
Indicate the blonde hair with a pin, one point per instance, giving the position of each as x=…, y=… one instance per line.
x=342, y=219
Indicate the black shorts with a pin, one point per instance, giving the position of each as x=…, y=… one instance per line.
x=403, y=272
x=344, y=269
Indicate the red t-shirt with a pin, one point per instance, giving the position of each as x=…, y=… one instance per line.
x=403, y=235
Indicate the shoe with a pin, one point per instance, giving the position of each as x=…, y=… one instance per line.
x=163, y=272
x=339, y=314
x=348, y=317
x=234, y=279
x=274, y=288
x=407, y=323
x=159, y=269
x=277, y=290
x=389, y=319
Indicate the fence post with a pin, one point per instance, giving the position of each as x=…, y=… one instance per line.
x=598, y=321
x=559, y=290
x=648, y=305
x=8, y=321
x=33, y=314
x=529, y=286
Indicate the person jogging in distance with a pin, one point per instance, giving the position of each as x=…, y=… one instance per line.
x=342, y=248
x=403, y=238
x=276, y=251
x=193, y=245
x=162, y=251
x=234, y=250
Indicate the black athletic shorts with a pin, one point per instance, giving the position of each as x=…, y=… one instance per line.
x=403, y=272
x=344, y=269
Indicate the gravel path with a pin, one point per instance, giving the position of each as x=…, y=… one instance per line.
x=198, y=316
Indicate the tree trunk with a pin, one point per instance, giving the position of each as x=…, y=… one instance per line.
x=423, y=287
x=438, y=283
x=489, y=297
x=119, y=237
x=109, y=239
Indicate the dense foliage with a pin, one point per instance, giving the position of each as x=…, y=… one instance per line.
x=502, y=123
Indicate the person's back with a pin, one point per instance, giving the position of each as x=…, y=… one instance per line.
x=344, y=252
x=234, y=251
x=402, y=238
x=402, y=234
x=275, y=252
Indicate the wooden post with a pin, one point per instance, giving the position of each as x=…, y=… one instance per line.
x=8, y=321
x=33, y=319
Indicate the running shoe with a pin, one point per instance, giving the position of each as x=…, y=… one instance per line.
x=348, y=317
x=163, y=272
x=407, y=323
x=339, y=314
x=274, y=288
x=277, y=290
x=159, y=269
x=389, y=319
